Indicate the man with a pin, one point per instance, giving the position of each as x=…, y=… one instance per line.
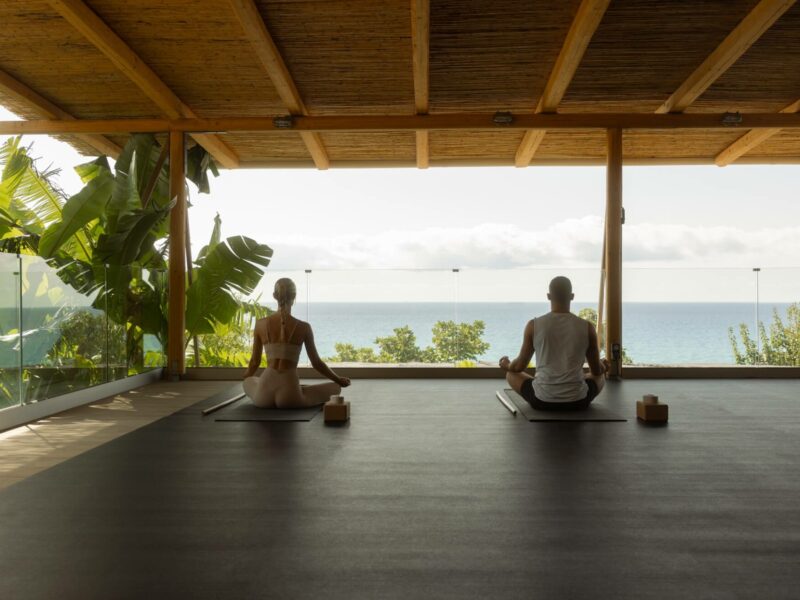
x=561, y=342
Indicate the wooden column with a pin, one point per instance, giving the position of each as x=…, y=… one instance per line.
x=177, y=257
x=613, y=251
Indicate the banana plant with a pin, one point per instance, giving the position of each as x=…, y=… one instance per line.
x=110, y=237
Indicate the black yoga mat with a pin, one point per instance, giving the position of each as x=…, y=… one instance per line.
x=593, y=413
x=244, y=410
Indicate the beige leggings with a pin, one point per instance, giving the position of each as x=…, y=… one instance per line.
x=282, y=389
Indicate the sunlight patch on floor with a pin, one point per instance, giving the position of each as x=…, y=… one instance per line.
x=37, y=446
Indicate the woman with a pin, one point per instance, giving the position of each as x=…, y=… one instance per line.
x=282, y=337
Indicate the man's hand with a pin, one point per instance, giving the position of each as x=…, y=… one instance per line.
x=505, y=363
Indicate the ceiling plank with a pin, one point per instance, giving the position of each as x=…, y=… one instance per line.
x=267, y=52
x=420, y=43
x=94, y=29
x=22, y=93
x=751, y=139
x=744, y=35
x=585, y=23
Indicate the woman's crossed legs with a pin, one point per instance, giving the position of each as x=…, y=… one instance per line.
x=282, y=389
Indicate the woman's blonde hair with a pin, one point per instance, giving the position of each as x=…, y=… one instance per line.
x=285, y=293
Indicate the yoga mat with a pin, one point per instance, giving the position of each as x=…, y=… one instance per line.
x=244, y=410
x=593, y=413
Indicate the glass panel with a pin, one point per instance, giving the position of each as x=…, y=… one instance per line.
x=154, y=340
x=136, y=304
x=366, y=317
x=10, y=346
x=64, y=333
x=778, y=312
x=505, y=300
x=685, y=316
x=116, y=303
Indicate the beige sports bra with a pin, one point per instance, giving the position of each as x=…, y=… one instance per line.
x=282, y=350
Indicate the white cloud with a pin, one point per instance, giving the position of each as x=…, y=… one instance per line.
x=573, y=242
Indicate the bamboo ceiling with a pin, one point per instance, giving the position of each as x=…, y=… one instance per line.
x=345, y=57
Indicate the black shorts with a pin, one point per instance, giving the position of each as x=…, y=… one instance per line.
x=582, y=404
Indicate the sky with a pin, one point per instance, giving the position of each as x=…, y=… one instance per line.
x=703, y=227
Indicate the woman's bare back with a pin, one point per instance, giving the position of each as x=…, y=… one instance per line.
x=269, y=331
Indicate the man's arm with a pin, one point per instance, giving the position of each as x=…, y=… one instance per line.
x=593, y=353
x=522, y=361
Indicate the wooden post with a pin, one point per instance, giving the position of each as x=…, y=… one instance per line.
x=177, y=259
x=602, y=297
x=613, y=251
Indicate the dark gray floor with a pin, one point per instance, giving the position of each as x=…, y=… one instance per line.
x=432, y=491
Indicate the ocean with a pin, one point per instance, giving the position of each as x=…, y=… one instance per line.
x=653, y=333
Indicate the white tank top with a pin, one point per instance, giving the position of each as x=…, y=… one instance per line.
x=560, y=342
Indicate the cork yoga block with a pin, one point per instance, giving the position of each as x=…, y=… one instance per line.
x=652, y=413
x=336, y=412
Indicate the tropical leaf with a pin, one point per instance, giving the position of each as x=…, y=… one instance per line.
x=81, y=276
x=82, y=208
x=15, y=163
x=132, y=239
x=125, y=196
x=216, y=237
x=39, y=194
x=198, y=163
x=90, y=170
x=235, y=266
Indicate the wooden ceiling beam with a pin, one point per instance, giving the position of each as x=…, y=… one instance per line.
x=94, y=29
x=258, y=35
x=20, y=92
x=746, y=33
x=585, y=23
x=504, y=162
x=751, y=139
x=444, y=122
x=420, y=43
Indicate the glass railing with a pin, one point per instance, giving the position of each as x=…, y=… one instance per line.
x=66, y=328
x=506, y=299
x=777, y=312
x=409, y=317
x=470, y=317
x=10, y=340
x=708, y=317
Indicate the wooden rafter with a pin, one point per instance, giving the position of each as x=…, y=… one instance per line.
x=22, y=93
x=585, y=23
x=423, y=155
x=94, y=29
x=448, y=121
x=420, y=42
x=267, y=52
x=751, y=139
x=746, y=33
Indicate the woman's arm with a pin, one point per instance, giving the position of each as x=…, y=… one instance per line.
x=318, y=363
x=255, y=356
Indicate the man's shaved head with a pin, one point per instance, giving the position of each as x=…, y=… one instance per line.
x=560, y=289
